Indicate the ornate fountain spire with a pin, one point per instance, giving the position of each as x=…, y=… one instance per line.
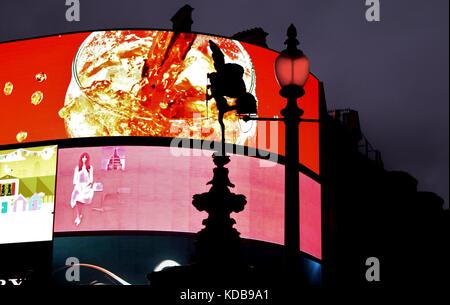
x=219, y=242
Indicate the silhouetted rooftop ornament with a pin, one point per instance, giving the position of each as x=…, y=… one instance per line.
x=255, y=36
x=182, y=20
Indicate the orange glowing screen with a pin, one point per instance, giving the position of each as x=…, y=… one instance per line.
x=141, y=83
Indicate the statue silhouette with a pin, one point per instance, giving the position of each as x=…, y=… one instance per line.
x=219, y=242
x=218, y=259
x=228, y=81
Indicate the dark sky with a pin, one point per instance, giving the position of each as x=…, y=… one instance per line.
x=394, y=72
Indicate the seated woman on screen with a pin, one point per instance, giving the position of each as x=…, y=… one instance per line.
x=83, y=190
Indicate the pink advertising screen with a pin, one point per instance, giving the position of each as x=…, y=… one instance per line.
x=151, y=188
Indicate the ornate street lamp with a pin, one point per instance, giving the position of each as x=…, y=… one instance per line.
x=291, y=66
x=291, y=70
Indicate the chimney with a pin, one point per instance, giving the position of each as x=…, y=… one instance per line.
x=182, y=20
x=255, y=36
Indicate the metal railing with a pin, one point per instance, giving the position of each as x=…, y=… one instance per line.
x=350, y=119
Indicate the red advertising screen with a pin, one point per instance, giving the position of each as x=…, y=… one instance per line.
x=92, y=84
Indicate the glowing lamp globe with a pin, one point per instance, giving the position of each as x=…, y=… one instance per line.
x=291, y=66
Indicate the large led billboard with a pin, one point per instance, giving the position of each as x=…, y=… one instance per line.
x=136, y=188
x=127, y=258
x=27, y=194
x=141, y=83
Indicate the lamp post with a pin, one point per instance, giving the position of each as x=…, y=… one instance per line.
x=291, y=70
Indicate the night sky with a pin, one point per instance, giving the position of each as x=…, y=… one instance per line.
x=394, y=72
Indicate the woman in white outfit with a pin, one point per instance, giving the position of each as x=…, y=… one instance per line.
x=83, y=191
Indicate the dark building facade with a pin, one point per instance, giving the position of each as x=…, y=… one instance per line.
x=369, y=211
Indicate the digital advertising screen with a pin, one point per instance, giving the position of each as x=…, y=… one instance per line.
x=140, y=188
x=143, y=83
x=127, y=258
x=27, y=194
x=131, y=213
x=134, y=200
